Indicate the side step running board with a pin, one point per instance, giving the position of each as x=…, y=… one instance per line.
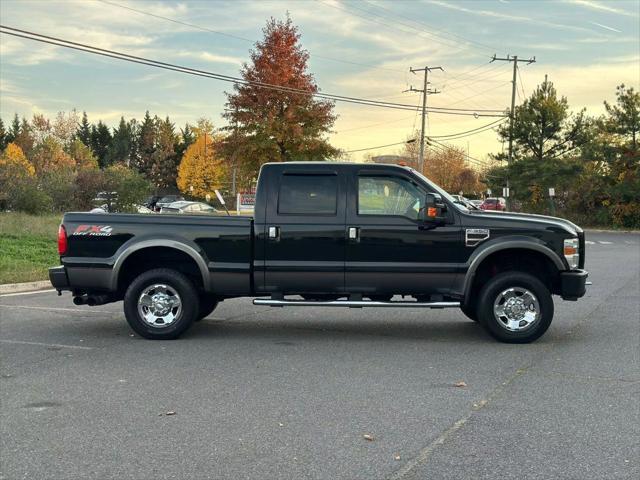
x=269, y=302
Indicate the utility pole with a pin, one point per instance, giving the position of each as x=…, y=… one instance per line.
x=512, y=112
x=425, y=91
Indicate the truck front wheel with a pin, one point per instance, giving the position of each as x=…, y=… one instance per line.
x=515, y=307
x=161, y=304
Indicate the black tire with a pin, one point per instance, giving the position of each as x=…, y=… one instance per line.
x=518, y=280
x=206, y=307
x=184, y=316
x=470, y=311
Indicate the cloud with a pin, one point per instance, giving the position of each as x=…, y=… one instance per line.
x=504, y=16
x=606, y=27
x=601, y=7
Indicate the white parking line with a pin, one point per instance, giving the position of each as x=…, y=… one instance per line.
x=604, y=243
x=589, y=242
x=21, y=342
x=57, y=309
x=27, y=293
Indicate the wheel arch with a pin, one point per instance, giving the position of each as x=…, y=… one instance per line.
x=514, y=247
x=133, y=251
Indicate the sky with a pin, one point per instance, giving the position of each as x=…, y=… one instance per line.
x=361, y=48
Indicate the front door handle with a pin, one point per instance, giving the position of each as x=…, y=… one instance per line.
x=354, y=234
x=274, y=233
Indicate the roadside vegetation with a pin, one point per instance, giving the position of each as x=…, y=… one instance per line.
x=28, y=245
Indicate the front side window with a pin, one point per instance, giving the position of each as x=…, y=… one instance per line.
x=378, y=195
x=308, y=195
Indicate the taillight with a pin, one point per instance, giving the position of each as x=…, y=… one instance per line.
x=62, y=240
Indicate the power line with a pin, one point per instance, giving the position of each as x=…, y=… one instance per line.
x=227, y=78
x=380, y=146
x=236, y=37
x=455, y=136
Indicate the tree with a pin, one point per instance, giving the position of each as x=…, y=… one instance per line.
x=4, y=140
x=146, y=143
x=121, y=146
x=277, y=125
x=187, y=137
x=24, y=138
x=624, y=116
x=50, y=156
x=64, y=127
x=201, y=170
x=84, y=130
x=82, y=155
x=17, y=182
x=543, y=127
x=100, y=142
x=14, y=131
x=164, y=161
x=14, y=160
x=132, y=187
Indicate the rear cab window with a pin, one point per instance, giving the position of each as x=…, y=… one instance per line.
x=304, y=194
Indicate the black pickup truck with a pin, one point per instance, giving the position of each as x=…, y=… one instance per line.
x=328, y=234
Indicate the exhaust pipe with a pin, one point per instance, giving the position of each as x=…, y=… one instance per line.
x=94, y=300
x=80, y=300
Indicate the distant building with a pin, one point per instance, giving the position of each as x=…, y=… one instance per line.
x=396, y=159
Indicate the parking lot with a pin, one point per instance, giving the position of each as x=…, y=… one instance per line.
x=255, y=392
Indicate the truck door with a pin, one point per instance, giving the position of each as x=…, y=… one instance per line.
x=305, y=231
x=389, y=248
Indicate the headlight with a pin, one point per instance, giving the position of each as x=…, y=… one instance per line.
x=572, y=252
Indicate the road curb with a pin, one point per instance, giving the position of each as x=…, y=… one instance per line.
x=24, y=287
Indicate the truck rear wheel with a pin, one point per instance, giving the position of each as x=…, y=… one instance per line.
x=161, y=304
x=515, y=307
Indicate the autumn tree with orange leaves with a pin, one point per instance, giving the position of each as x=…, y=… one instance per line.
x=278, y=125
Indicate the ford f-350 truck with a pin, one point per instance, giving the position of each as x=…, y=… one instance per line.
x=328, y=234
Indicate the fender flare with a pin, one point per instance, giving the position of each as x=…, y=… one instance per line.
x=506, y=244
x=180, y=245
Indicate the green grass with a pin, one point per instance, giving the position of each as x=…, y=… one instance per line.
x=28, y=246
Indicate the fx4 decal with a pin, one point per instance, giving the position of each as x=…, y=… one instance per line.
x=93, y=230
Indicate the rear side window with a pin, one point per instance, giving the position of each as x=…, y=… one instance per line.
x=308, y=195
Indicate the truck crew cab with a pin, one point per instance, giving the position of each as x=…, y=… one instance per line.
x=328, y=234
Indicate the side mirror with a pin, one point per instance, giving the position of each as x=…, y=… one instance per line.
x=434, y=208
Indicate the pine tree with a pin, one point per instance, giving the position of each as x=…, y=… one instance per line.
x=164, y=164
x=14, y=131
x=100, y=141
x=121, y=144
x=146, y=143
x=24, y=138
x=280, y=125
x=186, y=138
x=3, y=136
x=84, y=130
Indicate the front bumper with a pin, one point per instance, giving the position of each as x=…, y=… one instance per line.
x=573, y=284
x=58, y=278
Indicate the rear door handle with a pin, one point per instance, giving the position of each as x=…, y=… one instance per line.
x=354, y=234
x=274, y=233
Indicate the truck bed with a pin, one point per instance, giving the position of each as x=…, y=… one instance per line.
x=99, y=245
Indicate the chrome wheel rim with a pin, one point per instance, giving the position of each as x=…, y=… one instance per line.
x=159, y=305
x=516, y=309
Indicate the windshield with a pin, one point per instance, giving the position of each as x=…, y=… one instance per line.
x=442, y=192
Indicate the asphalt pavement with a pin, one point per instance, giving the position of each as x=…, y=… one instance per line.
x=260, y=393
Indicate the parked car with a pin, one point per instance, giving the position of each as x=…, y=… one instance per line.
x=106, y=200
x=337, y=234
x=166, y=200
x=498, y=204
x=476, y=203
x=192, y=208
